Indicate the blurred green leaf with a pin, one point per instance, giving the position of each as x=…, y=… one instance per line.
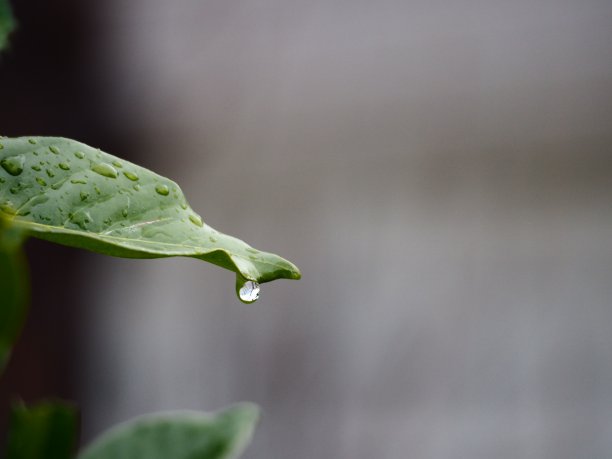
x=44, y=431
x=179, y=435
x=67, y=192
x=7, y=23
x=14, y=290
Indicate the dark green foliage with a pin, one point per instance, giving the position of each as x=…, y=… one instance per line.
x=14, y=288
x=44, y=431
x=7, y=23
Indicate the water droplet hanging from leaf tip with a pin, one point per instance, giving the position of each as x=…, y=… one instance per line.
x=247, y=290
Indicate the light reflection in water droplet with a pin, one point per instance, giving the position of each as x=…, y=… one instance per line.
x=249, y=292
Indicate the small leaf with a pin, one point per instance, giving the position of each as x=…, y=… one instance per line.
x=44, y=431
x=67, y=192
x=7, y=23
x=14, y=290
x=179, y=435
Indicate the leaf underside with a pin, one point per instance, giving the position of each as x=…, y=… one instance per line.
x=178, y=435
x=66, y=192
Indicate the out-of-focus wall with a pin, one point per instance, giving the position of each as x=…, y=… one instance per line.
x=440, y=171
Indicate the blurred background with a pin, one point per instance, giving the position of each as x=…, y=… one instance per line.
x=439, y=170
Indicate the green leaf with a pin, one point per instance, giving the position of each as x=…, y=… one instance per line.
x=14, y=290
x=67, y=192
x=45, y=431
x=179, y=435
x=7, y=23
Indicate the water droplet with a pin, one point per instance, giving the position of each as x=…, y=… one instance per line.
x=124, y=212
x=77, y=181
x=97, y=190
x=84, y=196
x=133, y=177
x=81, y=219
x=163, y=190
x=117, y=164
x=64, y=166
x=79, y=154
x=54, y=150
x=36, y=167
x=136, y=187
x=184, y=206
x=13, y=165
x=105, y=169
x=212, y=239
x=2, y=180
x=248, y=290
x=50, y=173
x=196, y=220
x=32, y=141
x=41, y=181
x=19, y=187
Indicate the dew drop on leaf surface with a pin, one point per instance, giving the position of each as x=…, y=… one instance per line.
x=163, y=190
x=13, y=165
x=105, y=170
x=196, y=220
x=133, y=177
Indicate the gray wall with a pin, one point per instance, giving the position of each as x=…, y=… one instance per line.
x=440, y=171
